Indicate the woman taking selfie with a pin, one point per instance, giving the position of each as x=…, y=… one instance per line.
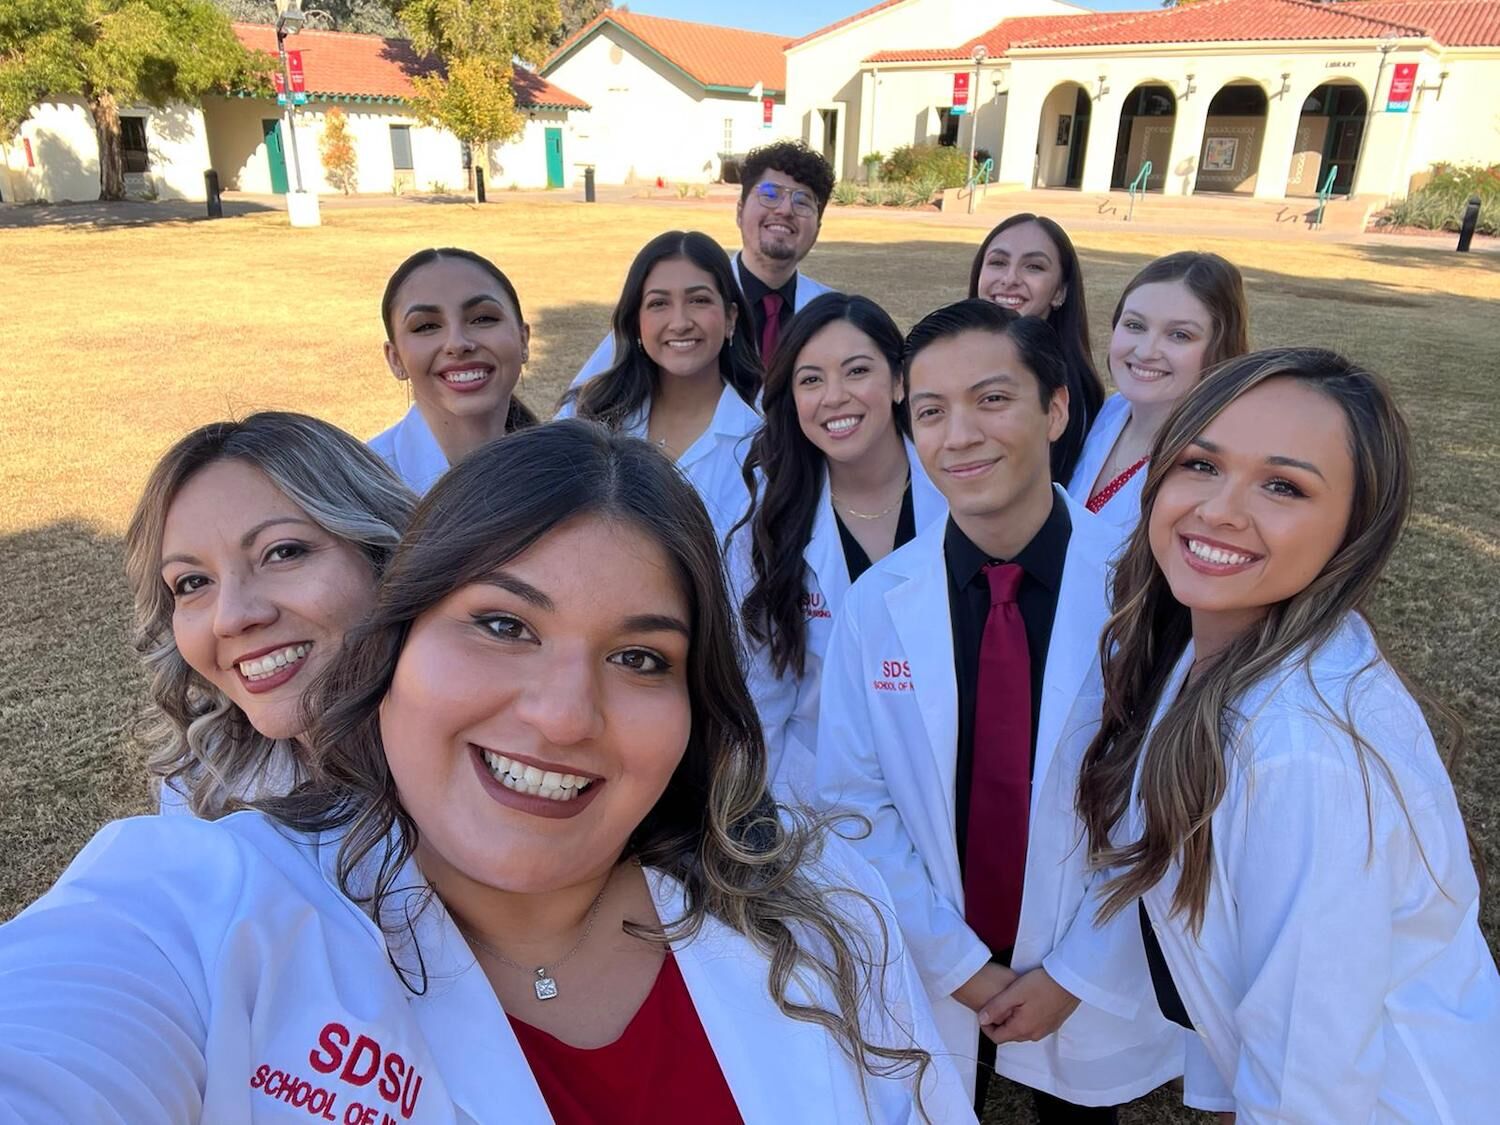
x=533, y=877
x=837, y=486
x=454, y=334
x=254, y=548
x=1264, y=791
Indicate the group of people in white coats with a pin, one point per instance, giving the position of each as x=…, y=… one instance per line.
x=934, y=716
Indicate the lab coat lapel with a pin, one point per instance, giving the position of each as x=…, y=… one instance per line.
x=1082, y=610
x=928, y=505
x=922, y=618
x=420, y=460
x=825, y=555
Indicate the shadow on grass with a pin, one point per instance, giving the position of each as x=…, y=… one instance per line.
x=71, y=687
x=562, y=338
x=128, y=213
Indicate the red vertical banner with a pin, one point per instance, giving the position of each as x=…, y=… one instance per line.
x=961, y=92
x=294, y=68
x=767, y=107
x=1403, y=84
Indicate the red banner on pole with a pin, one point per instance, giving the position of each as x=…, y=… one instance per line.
x=767, y=107
x=1403, y=84
x=294, y=67
x=960, y=92
x=280, y=82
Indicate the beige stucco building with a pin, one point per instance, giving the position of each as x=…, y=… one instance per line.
x=1258, y=97
x=245, y=139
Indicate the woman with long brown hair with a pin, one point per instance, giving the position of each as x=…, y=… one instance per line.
x=837, y=486
x=534, y=875
x=1264, y=791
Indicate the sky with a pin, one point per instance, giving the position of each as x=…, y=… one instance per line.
x=795, y=18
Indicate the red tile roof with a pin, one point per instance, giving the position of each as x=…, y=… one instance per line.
x=997, y=40
x=836, y=24
x=1453, y=23
x=342, y=64
x=710, y=55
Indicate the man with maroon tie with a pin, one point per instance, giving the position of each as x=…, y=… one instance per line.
x=960, y=690
x=784, y=190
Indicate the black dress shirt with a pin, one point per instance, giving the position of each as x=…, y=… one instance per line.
x=1042, y=561
x=755, y=289
x=855, y=557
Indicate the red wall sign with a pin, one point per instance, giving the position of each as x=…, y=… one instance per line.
x=1403, y=83
x=961, y=92
x=294, y=68
x=767, y=107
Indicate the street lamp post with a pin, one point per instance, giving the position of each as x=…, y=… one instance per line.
x=981, y=52
x=301, y=204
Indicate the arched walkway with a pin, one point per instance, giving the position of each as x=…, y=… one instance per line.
x=1329, y=134
x=1146, y=122
x=1063, y=137
x=1229, y=158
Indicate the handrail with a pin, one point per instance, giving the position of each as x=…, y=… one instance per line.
x=1138, y=186
x=980, y=175
x=1323, y=194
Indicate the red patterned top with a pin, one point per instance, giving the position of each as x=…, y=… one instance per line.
x=660, y=1071
x=1105, y=494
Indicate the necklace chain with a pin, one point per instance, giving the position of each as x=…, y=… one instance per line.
x=875, y=515
x=544, y=985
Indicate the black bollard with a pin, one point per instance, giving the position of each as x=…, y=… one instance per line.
x=588, y=184
x=211, y=191
x=479, y=185
x=1466, y=228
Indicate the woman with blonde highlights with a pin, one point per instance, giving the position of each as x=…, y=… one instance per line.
x=1264, y=792
x=534, y=875
x=254, y=547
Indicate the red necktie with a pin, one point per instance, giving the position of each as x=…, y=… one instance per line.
x=771, y=332
x=1000, y=780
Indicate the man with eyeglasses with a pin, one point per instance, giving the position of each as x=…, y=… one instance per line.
x=785, y=187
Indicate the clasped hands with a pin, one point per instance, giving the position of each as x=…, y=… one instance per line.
x=1016, y=1007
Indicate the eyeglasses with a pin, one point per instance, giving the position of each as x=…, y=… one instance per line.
x=771, y=195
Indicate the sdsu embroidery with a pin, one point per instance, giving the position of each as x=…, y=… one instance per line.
x=353, y=1061
x=895, y=675
x=814, y=607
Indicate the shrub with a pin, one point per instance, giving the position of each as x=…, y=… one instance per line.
x=845, y=192
x=340, y=163
x=682, y=191
x=943, y=163
x=1439, y=204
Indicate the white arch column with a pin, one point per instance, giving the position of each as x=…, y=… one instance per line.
x=1015, y=164
x=1283, y=114
x=1187, y=141
x=1104, y=133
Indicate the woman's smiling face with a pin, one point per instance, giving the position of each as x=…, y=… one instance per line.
x=536, y=716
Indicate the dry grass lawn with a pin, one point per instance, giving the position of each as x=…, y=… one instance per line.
x=119, y=340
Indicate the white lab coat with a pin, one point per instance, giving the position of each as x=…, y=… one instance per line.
x=603, y=356
x=412, y=452
x=887, y=749
x=788, y=704
x=183, y=971
x=1123, y=510
x=1338, y=976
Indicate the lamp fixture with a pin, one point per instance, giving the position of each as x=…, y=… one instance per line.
x=1190, y=89
x=1103, y=89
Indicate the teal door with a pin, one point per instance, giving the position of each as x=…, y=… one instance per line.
x=554, y=158
x=275, y=154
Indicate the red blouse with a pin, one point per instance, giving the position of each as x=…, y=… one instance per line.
x=1106, y=494
x=660, y=1071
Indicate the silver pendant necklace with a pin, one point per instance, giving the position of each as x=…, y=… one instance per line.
x=545, y=984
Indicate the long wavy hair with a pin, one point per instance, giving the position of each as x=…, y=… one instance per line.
x=199, y=742
x=618, y=392
x=1070, y=321
x=780, y=519
x=1184, y=773
x=519, y=416
x=740, y=858
x=1217, y=284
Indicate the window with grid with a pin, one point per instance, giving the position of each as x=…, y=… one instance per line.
x=728, y=135
x=133, y=144
x=401, y=147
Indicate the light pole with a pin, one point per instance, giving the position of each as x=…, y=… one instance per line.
x=301, y=205
x=981, y=52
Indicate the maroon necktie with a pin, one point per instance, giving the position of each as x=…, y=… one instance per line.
x=771, y=332
x=1000, y=780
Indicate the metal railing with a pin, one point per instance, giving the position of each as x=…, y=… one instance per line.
x=1138, y=187
x=1323, y=195
x=981, y=175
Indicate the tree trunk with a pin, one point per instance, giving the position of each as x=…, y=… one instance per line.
x=106, y=114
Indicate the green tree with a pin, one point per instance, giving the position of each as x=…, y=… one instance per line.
x=340, y=163
x=478, y=42
x=113, y=53
x=372, y=17
x=576, y=13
